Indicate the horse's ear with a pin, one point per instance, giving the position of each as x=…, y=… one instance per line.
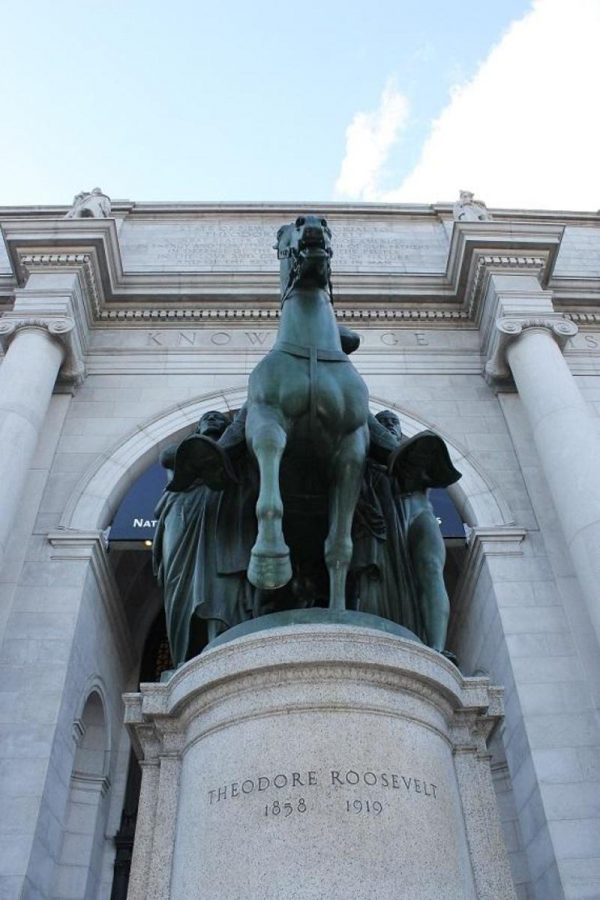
x=278, y=237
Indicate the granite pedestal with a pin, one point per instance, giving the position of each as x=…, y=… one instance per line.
x=314, y=761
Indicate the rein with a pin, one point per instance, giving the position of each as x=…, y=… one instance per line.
x=293, y=276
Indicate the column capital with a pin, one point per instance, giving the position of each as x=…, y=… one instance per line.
x=508, y=328
x=62, y=268
x=60, y=327
x=54, y=298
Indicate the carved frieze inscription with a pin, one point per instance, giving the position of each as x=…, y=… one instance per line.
x=257, y=339
x=585, y=340
x=217, y=243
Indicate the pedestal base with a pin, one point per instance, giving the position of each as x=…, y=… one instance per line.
x=317, y=761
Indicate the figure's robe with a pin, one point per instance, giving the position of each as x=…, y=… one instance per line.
x=382, y=581
x=201, y=551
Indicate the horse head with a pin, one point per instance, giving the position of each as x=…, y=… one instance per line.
x=304, y=251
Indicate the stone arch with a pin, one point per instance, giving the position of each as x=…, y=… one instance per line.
x=477, y=498
x=92, y=734
x=97, y=495
x=78, y=870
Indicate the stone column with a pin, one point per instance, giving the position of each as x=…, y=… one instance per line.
x=565, y=434
x=27, y=377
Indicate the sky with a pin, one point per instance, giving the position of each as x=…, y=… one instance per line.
x=321, y=100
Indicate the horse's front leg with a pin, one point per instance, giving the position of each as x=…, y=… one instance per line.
x=344, y=488
x=270, y=565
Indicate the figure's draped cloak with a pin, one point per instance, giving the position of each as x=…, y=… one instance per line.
x=201, y=550
x=381, y=566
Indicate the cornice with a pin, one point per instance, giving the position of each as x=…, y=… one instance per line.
x=199, y=207
x=35, y=245
x=485, y=265
x=86, y=265
x=583, y=318
x=247, y=314
x=477, y=249
x=39, y=243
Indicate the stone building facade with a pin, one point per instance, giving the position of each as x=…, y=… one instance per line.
x=119, y=330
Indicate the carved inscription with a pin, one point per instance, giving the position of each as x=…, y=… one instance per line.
x=186, y=338
x=365, y=806
x=220, y=338
x=260, y=784
x=393, y=338
x=264, y=339
x=584, y=341
x=285, y=809
x=218, y=243
x=289, y=794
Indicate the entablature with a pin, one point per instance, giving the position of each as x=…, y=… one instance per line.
x=441, y=280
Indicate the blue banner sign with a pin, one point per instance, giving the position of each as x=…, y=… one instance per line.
x=134, y=520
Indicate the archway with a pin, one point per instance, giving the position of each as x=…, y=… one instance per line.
x=99, y=491
x=78, y=872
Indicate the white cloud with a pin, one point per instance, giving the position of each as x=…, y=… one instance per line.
x=525, y=130
x=369, y=138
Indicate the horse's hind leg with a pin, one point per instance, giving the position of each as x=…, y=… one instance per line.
x=346, y=477
x=270, y=565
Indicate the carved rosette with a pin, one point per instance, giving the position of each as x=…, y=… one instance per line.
x=509, y=328
x=61, y=328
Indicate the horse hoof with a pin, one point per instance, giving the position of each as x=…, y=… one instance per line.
x=269, y=572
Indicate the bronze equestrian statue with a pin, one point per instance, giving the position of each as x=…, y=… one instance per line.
x=306, y=393
x=304, y=464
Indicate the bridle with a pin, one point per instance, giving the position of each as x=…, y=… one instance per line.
x=290, y=252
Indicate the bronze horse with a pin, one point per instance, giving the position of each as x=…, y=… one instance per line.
x=306, y=393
